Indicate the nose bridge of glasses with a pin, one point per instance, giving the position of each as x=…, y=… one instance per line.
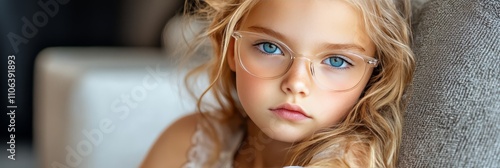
x=297, y=57
x=301, y=56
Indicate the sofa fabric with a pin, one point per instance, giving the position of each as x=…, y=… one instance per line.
x=453, y=118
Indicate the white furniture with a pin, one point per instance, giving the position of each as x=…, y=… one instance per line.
x=104, y=107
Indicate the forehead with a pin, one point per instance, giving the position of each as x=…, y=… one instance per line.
x=309, y=21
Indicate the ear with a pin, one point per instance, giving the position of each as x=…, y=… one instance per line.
x=230, y=55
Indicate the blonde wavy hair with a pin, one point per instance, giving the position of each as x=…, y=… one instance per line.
x=370, y=135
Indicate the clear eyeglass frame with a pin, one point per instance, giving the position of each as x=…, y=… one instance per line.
x=367, y=62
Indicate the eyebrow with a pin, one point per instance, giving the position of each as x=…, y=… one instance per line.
x=267, y=31
x=278, y=35
x=344, y=47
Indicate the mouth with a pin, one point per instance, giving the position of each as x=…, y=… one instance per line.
x=290, y=112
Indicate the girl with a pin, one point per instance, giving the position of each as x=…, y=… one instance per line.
x=316, y=83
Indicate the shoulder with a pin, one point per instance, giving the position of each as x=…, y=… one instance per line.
x=171, y=148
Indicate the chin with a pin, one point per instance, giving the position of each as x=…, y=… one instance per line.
x=285, y=135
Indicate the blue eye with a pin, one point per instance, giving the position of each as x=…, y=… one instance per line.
x=269, y=48
x=336, y=62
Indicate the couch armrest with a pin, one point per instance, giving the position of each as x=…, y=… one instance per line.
x=453, y=118
x=103, y=107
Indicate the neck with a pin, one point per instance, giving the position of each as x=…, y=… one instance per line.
x=259, y=150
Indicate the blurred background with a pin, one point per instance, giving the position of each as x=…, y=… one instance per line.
x=95, y=81
x=128, y=27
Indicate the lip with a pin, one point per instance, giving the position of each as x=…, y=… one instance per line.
x=290, y=112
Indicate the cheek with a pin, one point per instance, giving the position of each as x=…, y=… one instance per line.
x=244, y=86
x=252, y=90
x=333, y=107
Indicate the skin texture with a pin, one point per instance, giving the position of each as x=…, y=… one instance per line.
x=317, y=23
x=305, y=27
x=170, y=149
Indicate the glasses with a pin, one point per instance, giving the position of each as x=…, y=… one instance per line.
x=266, y=57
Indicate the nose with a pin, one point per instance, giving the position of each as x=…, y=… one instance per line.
x=297, y=80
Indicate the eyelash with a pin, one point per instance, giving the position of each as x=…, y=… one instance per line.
x=346, y=60
x=256, y=45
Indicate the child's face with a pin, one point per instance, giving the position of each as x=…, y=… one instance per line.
x=305, y=26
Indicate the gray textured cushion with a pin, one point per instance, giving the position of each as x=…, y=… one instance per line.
x=453, y=119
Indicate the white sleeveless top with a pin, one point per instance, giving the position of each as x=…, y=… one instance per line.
x=203, y=145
